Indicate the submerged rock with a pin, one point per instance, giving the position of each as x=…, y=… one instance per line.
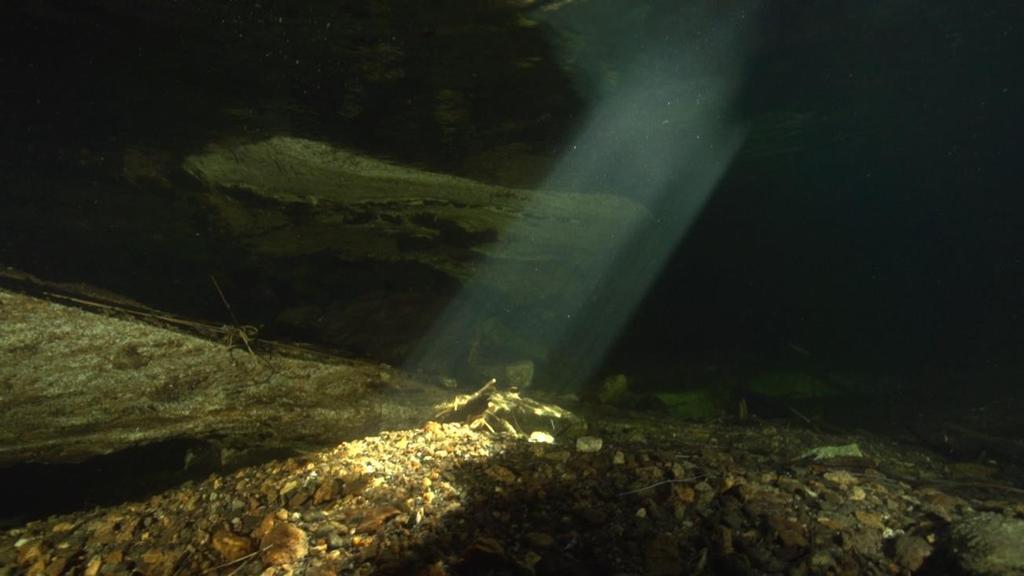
x=298, y=204
x=990, y=544
x=288, y=197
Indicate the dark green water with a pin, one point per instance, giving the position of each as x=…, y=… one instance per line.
x=866, y=229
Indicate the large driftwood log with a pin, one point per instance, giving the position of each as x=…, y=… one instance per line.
x=76, y=383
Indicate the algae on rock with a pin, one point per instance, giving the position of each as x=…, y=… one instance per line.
x=288, y=197
x=75, y=384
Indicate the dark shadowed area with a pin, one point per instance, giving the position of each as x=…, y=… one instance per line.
x=235, y=232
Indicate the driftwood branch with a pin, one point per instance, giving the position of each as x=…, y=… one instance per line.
x=466, y=408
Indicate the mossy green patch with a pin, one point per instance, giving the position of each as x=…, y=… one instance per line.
x=790, y=385
x=613, y=390
x=696, y=404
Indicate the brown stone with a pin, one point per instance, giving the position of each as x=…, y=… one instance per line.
x=157, y=561
x=377, y=517
x=264, y=526
x=870, y=519
x=662, y=557
x=230, y=546
x=683, y=493
x=790, y=533
x=37, y=569
x=63, y=527
x=723, y=537
x=93, y=567
x=57, y=566
x=911, y=551
x=30, y=552
x=284, y=544
x=435, y=569
x=298, y=499
x=501, y=474
x=325, y=492
x=540, y=539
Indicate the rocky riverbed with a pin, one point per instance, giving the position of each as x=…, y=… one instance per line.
x=632, y=495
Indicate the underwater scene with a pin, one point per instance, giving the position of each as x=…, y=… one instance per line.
x=511, y=287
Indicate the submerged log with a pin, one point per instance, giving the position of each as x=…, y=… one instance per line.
x=75, y=383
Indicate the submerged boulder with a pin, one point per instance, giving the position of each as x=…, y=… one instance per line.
x=288, y=197
x=395, y=246
x=989, y=544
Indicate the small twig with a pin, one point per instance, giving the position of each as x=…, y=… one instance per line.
x=519, y=429
x=801, y=416
x=663, y=482
x=204, y=328
x=471, y=405
x=240, y=566
x=223, y=299
x=234, y=319
x=243, y=560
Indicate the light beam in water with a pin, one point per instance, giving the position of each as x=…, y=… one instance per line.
x=661, y=134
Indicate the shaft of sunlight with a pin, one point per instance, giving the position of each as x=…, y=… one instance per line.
x=660, y=134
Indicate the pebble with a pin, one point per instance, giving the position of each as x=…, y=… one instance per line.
x=284, y=544
x=588, y=444
x=539, y=539
x=911, y=551
x=230, y=546
x=541, y=437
